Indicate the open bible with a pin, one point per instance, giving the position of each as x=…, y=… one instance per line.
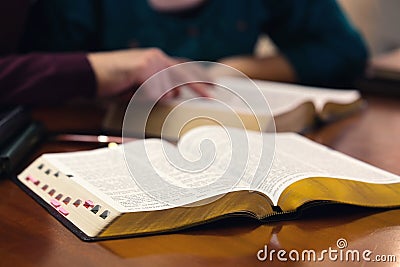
x=97, y=196
x=294, y=108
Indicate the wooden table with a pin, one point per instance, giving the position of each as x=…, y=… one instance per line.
x=29, y=236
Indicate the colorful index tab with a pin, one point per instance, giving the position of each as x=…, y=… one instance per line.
x=63, y=211
x=55, y=203
x=32, y=179
x=88, y=204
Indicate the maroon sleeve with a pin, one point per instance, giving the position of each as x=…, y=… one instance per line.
x=45, y=78
x=37, y=78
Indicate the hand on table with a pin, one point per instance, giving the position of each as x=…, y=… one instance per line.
x=118, y=72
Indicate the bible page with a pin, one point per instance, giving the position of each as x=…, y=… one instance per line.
x=104, y=173
x=297, y=157
x=318, y=95
x=282, y=97
x=207, y=162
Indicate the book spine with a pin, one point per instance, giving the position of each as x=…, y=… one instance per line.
x=17, y=149
x=11, y=122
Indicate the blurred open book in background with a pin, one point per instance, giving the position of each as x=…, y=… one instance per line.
x=294, y=108
x=386, y=66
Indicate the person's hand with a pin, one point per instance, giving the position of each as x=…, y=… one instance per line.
x=119, y=71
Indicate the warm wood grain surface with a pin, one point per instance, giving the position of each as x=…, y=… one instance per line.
x=29, y=236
